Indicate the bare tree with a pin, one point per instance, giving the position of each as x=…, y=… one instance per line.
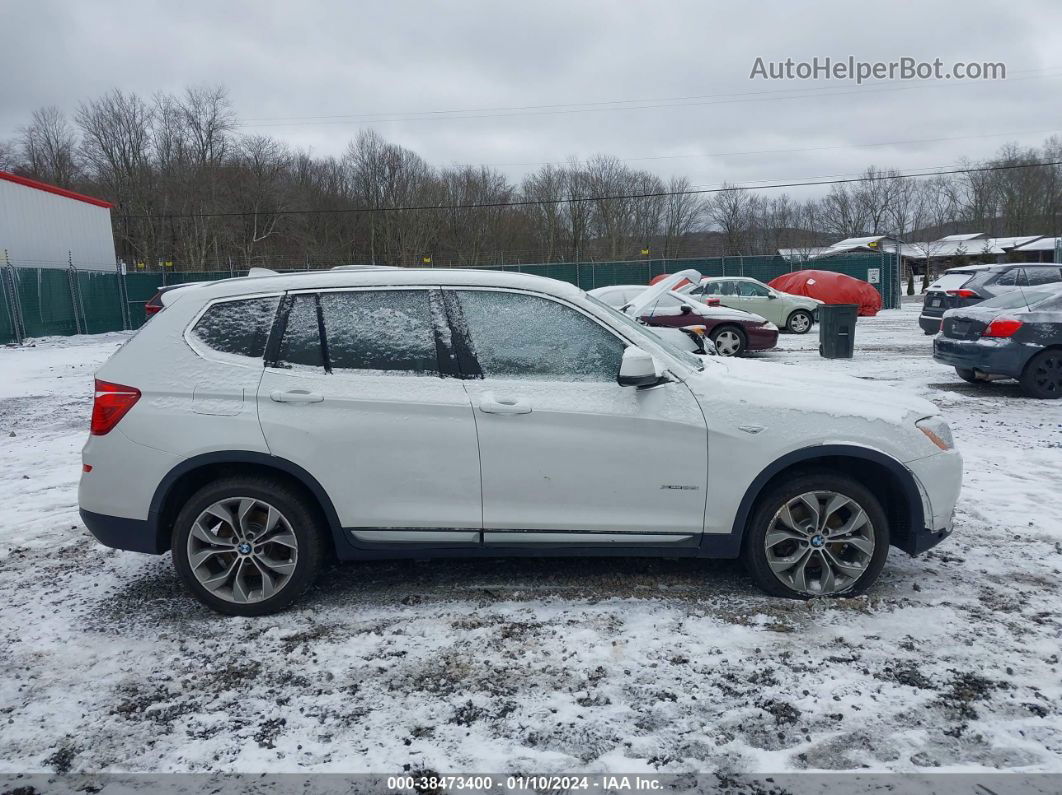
x=732, y=211
x=49, y=147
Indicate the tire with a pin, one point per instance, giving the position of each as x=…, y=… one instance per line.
x=800, y=322
x=734, y=340
x=967, y=374
x=1042, y=376
x=858, y=561
x=289, y=559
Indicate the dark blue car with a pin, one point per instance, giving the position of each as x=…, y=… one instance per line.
x=1016, y=335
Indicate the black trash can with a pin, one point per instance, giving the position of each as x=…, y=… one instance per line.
x=837, y=324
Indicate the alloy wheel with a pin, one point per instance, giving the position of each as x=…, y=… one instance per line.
x=727, y=343
x=242, y=550
x=819, y=543
x=800, y=323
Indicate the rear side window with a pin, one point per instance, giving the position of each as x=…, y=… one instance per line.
x=238, y=328
x=515, y=335
x=380, y=330
x=1010, y=278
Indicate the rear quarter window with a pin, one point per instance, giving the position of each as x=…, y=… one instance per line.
x=237, y=328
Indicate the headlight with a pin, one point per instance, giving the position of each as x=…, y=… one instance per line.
x=937, y=431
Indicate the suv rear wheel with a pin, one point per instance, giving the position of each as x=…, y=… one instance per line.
x=247, y=546
x=818, y=534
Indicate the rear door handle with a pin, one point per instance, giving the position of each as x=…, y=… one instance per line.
x=295, y=396
x=489, y=404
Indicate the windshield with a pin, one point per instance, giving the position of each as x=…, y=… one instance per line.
x=1020, y=298
x=687, y=358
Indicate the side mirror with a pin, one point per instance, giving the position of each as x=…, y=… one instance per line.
x=637, y=368
x=686, y=309
x=772, y=296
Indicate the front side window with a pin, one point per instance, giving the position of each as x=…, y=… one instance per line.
x=238, y=328
x=752, y=290
x=380, y=330
x=516, y=335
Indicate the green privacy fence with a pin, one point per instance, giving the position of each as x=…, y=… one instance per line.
x=40, y=302
x=879, y=269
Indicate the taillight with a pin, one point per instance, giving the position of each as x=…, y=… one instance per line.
x=1002, y=327
x=963, y=293
x=110, y=404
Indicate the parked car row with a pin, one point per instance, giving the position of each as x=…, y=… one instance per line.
x=999, y=321
x=972, y=284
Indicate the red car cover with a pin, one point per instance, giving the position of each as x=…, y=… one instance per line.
x=831, y=288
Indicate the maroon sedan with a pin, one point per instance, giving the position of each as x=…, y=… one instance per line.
x=732, y=331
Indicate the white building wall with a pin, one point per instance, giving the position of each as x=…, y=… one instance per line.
x=39, y=229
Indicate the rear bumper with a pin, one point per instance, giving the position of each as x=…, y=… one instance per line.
x=118, y=532
x=994, y=357
x=929, y=323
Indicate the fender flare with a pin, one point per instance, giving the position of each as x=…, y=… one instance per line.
x=308, y=481
x=913, y=513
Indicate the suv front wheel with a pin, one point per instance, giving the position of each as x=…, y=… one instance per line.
x=247, y=546
x=817, y=534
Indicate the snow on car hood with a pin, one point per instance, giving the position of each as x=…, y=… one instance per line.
x=778, y=386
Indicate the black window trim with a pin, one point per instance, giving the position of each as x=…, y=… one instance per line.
x=446, y=365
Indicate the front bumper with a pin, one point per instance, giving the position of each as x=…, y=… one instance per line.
x=990, y=356
x=939, y=480
x=762, y=338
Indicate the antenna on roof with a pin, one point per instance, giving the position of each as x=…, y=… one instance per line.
x=261, y=272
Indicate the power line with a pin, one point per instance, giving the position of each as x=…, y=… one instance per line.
x=766, y=95
x=583, y=199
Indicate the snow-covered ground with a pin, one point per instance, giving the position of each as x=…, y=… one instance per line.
x=950, y=663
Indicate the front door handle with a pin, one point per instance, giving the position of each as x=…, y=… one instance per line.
x=489, y=404
x=295, y=396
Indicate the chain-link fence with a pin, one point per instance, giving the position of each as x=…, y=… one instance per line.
x=40, y=302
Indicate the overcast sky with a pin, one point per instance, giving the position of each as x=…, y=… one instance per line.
x=406, y=64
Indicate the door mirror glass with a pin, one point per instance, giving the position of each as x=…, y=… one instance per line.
x=637, y=368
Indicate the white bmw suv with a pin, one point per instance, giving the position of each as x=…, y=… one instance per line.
x=256, y=424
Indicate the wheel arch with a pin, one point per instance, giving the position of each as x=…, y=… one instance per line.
x=888, y=479
x=191, y=474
